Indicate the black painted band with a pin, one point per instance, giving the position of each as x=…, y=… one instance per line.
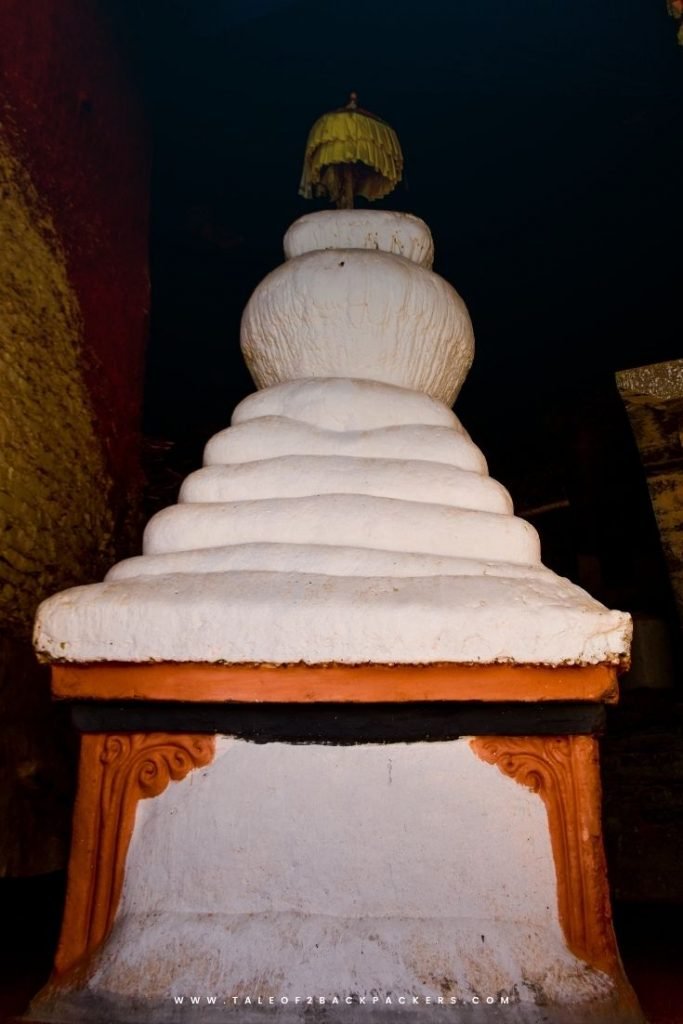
x=344, y=723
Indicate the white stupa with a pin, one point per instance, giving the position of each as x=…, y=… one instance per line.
x=345, y=516
x=342, y=534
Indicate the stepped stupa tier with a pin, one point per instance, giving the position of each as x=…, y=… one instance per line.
x=345, y=515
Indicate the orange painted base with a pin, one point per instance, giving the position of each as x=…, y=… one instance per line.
x=117, y=770
x=177, y=681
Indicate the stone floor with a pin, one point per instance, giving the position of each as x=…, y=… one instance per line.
x=650, y=938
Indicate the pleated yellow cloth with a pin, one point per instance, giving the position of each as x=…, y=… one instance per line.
x=351, y=137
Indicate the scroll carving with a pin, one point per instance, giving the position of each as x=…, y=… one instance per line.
x=564, y=771
x=116, y=771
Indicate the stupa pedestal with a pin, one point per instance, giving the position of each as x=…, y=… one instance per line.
x=335, y=858
x=339, y=756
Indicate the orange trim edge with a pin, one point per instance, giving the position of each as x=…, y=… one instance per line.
x=564, y=771
x=305, y=684
x=116, y=771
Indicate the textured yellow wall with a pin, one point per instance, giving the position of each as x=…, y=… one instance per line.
x=55, y=523
x=653, y=396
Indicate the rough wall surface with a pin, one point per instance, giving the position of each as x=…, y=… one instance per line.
x=653, y=396
x=77, y=127
x=73, y=310
x=54, y=485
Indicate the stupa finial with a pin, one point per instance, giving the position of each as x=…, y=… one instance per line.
x=351, y=152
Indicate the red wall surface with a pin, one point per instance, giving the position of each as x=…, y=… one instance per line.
x=74, y=183
x=78, y=128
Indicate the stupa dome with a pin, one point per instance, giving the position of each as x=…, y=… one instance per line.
x=357, y=299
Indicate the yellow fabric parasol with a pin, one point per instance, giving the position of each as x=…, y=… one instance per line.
x=351, y=152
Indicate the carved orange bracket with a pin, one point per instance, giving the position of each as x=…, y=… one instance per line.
x=116, y=771
x=564, y=771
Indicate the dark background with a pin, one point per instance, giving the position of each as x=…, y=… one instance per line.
x=544, y=147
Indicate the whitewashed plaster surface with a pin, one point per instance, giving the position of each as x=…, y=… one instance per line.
x=287, y=617
x=345, y=515
x=399, y=233
x=358, y=313
x=404, y=868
